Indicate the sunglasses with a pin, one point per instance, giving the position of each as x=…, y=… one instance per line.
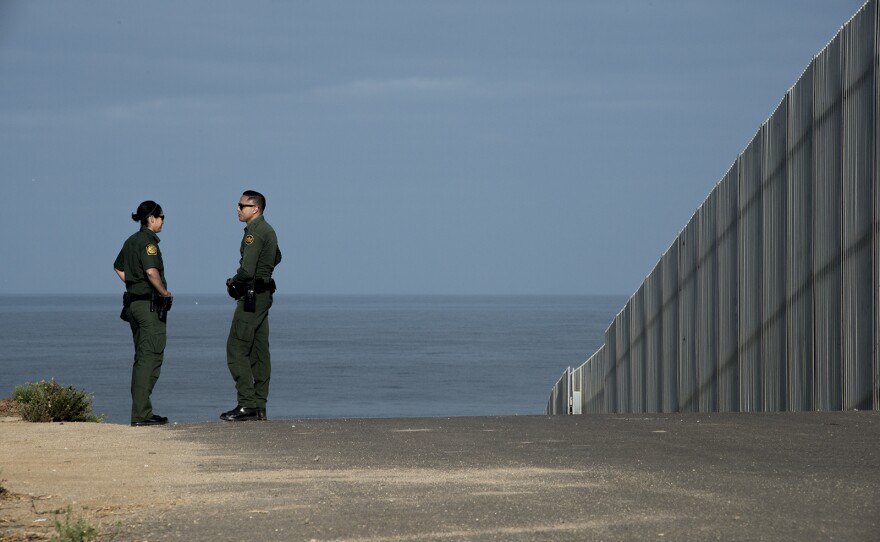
x=241, y=206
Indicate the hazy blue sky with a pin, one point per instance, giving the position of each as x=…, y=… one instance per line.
x=494, y=147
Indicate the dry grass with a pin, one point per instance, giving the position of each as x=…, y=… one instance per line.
x=8, y=407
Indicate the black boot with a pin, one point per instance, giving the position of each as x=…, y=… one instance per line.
x=154, y=420
x=240, y=414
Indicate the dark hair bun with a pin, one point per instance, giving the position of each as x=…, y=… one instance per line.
x=145, y=209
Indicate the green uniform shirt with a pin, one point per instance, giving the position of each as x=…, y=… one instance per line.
x=259, y=252
x=139, y=253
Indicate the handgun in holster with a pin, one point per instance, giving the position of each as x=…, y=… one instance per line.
x=160, y=305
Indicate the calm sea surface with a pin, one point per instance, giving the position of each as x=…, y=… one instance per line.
x=332, y=356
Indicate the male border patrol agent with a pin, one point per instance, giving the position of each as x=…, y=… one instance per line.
x=247, y=348
x=145, y=305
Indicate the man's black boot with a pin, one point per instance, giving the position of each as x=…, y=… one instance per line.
x=240, y=414
x=154, y=420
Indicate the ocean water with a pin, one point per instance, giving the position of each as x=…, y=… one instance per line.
x=332, y=356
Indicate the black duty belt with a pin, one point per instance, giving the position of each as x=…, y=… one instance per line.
x=264, y=285
x=139, y=297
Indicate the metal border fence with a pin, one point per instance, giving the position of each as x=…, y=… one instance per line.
x=769, y=298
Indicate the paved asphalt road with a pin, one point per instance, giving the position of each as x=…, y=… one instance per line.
x=791, y=476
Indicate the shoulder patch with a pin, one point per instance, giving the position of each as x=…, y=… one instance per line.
x=152, y=250
x=248, y=239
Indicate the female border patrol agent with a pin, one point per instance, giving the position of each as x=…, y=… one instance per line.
x=146, y=300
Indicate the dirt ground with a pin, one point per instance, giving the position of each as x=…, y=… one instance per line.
x=559, y=478
x=107, y=474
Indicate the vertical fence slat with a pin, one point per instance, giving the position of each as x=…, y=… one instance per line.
x=827, y=207
x=773, y=203
x=624, y=401
x=595, y=387
x=637, y=351
x=610, y=376
x=876, y=152
x=749, y=275
x=857, y=135
x=687, y=327
x=728, y=320
x=654, y=340
x=669, y=323
x=799, y=276
x=707, y=305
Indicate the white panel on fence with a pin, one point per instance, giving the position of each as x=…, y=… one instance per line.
x=577, y=387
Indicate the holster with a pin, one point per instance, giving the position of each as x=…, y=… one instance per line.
x=250, y=298
x=248, y=291
x=128, y=298
x=126, y=301
x=160, y=305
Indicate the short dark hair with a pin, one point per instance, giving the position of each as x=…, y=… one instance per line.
x=145, y=210
x=256, y=198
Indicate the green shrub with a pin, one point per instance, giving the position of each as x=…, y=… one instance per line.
x=52, y=402
x=78, y=531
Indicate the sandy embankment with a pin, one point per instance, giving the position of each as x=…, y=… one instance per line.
x=107, y=474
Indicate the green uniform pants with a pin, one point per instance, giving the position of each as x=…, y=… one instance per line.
x=149, y=350
x=247, y=352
